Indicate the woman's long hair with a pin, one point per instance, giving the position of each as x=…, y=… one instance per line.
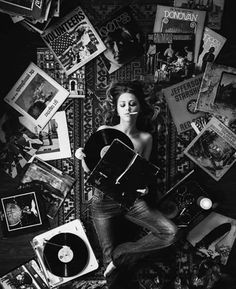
x=114, y=90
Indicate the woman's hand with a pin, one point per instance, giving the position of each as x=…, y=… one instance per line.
x=79, y=154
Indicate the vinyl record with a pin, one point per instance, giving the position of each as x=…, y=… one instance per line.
x=99, y=142
x=65, y=255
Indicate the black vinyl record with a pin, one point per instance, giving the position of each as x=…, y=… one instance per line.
x=99, y=142
x=65, y=255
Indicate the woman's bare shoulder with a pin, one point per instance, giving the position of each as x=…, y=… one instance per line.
x=146, y=136
x=103, y=127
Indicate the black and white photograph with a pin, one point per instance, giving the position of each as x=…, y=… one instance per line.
x=132, y=147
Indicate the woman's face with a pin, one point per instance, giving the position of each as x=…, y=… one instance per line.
x=128, y=106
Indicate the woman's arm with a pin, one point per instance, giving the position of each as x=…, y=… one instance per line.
x=148, y=146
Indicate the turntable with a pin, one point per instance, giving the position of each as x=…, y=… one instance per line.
x=64, y=253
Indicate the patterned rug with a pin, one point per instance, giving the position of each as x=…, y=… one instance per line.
x=84, y=115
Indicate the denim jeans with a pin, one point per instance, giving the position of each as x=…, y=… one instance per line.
x=105, y=210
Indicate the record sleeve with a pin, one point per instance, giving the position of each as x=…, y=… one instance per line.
x=99, y=142
x=121, y=166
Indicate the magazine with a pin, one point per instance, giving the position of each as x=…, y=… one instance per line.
x=170, y=56
x=27, y=275
x=17, y=144
x=214, y=8
x=213, y=149
x=56, y=184
x=217, y=92
x=180, y=20
x=30, y=8
x=181, y=99
x=214, y=236
x=123, y=39
x=22, y=211
x=211, y=45
x=74, y=83
x=73, y=40
x=55, y=139
x=37, y=97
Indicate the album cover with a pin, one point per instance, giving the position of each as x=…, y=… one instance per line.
x=213, y=149
x=22, y=211
x=214, y=236
x=170, y=56
x=56, y=184
x=217, y=92
x=214, y=8
x=181, y=99
x=211, y=46
x=30, y=8
x=55, y=139
x=123, y=39
x=36, y=96
x=179, y=20
x=74, y=83
x=64, y=253
x=17, y=144
x=73, y=40
x=27, y=275
x=131, y=171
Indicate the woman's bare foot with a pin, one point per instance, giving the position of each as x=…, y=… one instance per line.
x=110, y=268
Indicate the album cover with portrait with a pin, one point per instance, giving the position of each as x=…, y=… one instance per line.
x=27, y=275
x=213, y=149
x=73, y=40
x=36, y=96
x=212, y=43
x=123, y=39
x=180, y=20
x=22, y=210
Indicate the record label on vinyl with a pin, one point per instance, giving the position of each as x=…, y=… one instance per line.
x=65, y=255
x=99, y=143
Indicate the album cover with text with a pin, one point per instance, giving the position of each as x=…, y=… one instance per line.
x=211, y=46
x=73, y=40
x=179, y=20
x=36, y=96
x=181, y=99
x=123, y=39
